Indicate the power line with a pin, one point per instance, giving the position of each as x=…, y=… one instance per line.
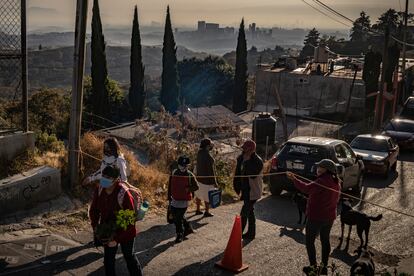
x=332, y=10
x=322, y=12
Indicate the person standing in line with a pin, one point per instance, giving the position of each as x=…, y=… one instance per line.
x=323, y=196
x=110, y=197
x=182, y=184
x=113, y=157
x=205, y=176
x=249, y=164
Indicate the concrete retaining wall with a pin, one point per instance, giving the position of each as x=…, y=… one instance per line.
x=25, y=190
x=315, y=94
x=14, y=144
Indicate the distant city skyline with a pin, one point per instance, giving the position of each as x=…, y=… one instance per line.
x=266, y=13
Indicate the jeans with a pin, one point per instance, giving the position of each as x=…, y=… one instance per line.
x=313, y=229
x=247, y=215
x=181, y=223
x=134, y=267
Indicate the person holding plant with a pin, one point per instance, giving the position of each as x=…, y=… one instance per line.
x=113, y=221
x=112, y=157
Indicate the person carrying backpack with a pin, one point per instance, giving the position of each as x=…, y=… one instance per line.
x=182, y=184
x=113, y=157
x=111, y=197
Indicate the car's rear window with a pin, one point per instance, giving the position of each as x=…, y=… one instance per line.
x=312, y=151
x=400, y=126
x=373, y=144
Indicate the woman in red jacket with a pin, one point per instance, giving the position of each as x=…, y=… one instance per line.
x=323, y=196
x=110, y=197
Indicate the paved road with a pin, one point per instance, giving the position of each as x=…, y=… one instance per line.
x=277, y=250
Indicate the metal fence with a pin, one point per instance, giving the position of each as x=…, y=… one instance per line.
x=12, y=71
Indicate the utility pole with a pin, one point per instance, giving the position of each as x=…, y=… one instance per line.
x=348, y=104
x=404, y=48
x=23, y=46
x=379, y=109
x=282, y=113
x=77, y=92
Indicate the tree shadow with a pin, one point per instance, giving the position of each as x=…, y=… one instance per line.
x=402, y=189
x=204, y=268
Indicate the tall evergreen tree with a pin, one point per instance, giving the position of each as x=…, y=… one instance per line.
x=170, y=91
x=137, y=89
x=240, y=78
x=361, y=26
x=311, y=41
x=99, y=71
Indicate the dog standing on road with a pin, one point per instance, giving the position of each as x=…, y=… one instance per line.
x=351, y=217
x=301, y=201
x=364, y=265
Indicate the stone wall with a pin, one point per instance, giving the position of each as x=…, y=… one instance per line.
x=11, y=145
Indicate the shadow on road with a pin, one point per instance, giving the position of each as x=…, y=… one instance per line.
x=294, y=233
x=283, y=211
x=203, y=268
x=376, y=182
x=55, y=263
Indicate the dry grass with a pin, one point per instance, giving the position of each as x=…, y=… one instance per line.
x=151, y=181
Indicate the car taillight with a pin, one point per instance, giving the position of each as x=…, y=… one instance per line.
x=274, y=163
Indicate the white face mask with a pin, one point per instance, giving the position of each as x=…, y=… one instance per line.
x=182, y=168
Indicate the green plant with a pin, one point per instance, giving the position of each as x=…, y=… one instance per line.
x=125, y=218
x=46, y=142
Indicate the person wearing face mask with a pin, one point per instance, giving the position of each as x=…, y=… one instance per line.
x=110, y=197
x=112, y=157
x=248, y=182
x=182, y=184
x=205, y=176
x=323, y=196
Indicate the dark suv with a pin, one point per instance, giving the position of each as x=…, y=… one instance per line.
x=300, y=154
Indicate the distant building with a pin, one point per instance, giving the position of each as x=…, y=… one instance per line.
x=201, y=26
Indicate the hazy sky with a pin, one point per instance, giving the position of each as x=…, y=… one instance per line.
x=282, y=13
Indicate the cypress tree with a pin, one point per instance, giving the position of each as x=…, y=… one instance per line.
x=169, y=84
x=137, y=89
x=99, y=72
x=240, y=79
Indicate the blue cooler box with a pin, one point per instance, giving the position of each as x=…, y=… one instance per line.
x=214, y=197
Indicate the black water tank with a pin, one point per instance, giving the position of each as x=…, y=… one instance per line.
x=264, y=126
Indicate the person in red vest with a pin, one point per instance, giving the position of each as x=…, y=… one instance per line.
x=110, y=197
x=323, y=196
x=182, y=185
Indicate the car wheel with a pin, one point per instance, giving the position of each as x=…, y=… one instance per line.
x=275, y=189
x=358, y=187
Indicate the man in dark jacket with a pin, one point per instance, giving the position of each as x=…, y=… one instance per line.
x=205, y=175
x=249, y=164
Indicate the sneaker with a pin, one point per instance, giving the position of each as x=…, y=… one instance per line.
x=323, y=270
x=208, y=215
x=308, y=269
x=197, y=213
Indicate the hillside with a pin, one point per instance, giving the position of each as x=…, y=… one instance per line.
x=53, y=67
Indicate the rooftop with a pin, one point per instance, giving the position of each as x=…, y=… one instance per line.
x=212, y=117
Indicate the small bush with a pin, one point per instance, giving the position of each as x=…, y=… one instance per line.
x=48, y=143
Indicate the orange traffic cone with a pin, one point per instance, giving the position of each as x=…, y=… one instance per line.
x=232, y=259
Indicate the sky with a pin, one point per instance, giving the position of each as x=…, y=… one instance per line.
x=266, y=13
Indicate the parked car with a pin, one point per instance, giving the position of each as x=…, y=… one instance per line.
x=379, y=153
x=407, y=111
x=402, y=132
x=300, y=154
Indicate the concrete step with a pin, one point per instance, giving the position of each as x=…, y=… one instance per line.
x=23, y=191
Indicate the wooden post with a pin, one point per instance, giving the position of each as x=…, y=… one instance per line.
x=404, y=47
x=23, y=46
x=77, y=92
x=282, y=112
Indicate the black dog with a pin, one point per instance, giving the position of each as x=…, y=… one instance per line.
x=301, y=201
x=364, y=265
x=352, y=217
